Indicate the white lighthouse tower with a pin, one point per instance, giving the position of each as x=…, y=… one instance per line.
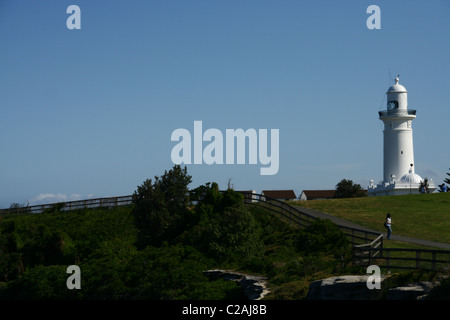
x=399, y=175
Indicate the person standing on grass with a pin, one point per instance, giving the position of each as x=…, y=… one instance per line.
x=388, y=224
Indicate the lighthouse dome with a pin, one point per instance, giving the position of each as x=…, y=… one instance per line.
x=397, y=87
x=411, y=177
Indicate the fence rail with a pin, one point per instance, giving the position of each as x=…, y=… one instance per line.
x=399, y=258
x=72, y=205
x=363, y=254
x=282, y=208
x=303, y=219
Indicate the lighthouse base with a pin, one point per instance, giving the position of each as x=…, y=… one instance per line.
x=397, y=188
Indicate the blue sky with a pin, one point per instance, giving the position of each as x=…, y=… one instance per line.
x=90, y=112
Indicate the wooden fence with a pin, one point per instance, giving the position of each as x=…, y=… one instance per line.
x=365, y=254
x=367, y=246
x=287, y=211
x=399, y=258
x=303, y=219
x=72, y=205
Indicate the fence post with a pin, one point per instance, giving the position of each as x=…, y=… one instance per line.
x=417, y=259
x=433, y=263
x=388, y=261
x=381, y=247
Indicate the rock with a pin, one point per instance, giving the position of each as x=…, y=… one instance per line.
x=340, y=288
x=355, y=288
x=413, y=291
x=254, y=286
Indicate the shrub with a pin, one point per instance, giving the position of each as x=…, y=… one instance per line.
x=211, y=201
x=322, y=236
x=235, y=232
x=41, y=282
x=11, y=266
x=48, y=247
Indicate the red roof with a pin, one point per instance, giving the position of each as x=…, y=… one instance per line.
x=279, y=194
x=315, y=194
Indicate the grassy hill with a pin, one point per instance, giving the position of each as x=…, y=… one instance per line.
x=423, y=216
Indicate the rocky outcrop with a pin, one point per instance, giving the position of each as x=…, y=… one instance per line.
x=340, y=288
x=355, y=288
x=413, y=291
x=254, y=286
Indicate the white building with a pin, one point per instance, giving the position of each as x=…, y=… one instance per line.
x=398, y=153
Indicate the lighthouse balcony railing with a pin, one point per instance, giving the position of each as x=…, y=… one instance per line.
x=385, y=113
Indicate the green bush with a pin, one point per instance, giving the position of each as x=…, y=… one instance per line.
x=48, y=247
x=11, y=266
x=322, y=236
x=156, y=273
x=233, y=233
x=210, y=201
x=41, y=282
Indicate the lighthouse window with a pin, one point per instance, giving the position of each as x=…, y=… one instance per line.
x=392, y=105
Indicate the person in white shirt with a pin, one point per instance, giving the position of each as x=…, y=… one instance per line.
x=388, y=225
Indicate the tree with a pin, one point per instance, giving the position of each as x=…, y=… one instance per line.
x=16, y=207
x=161, y=206
x=210, y=200
x=347, y=189
x=447, y=180
x=443, y=187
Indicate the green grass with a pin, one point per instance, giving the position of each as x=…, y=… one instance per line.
x=423, y=216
